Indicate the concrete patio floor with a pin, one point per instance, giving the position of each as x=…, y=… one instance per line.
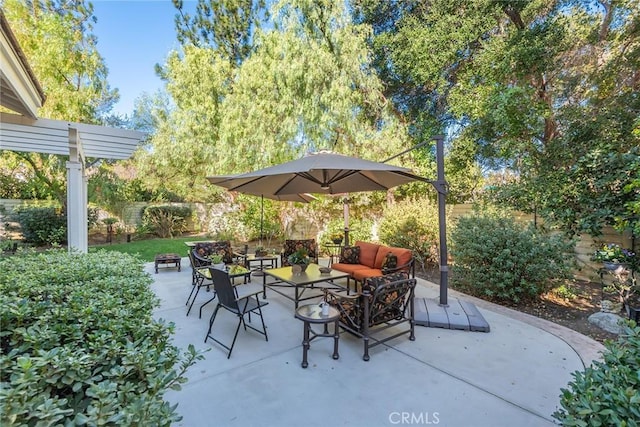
x=510, y=376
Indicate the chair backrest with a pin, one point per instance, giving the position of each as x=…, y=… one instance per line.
x=224, y=288
x=223, y=248
x=290, y=246
x=389, y=296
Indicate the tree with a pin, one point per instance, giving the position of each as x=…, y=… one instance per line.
x=70, y=70
x=225, y=25
x=306, y=85
x=538, y=87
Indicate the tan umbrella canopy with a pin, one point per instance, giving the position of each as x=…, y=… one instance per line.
x=322, y=173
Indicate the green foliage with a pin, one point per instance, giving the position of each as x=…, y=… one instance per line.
x=360, y=229
x=79, y=344
x=56, y=37
x=498, y=259
x=166, y=220
x=253, y=212
x=555, y=98
x=224, y=25
x=606, y=393
x=565, y=292
x=41, y=225
x=412, y=224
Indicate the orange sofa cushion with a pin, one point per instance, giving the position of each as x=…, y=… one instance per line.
x=348, y=268
x=368, y=253
x=404, y=255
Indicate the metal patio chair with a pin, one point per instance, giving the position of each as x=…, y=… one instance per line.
x=240, y=306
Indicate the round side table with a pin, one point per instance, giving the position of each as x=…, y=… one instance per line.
x=312, y=313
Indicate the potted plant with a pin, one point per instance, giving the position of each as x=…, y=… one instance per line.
x=261, y=251
x=613, y=256
x=336, y=238
x=299, y=260
x=217, y=260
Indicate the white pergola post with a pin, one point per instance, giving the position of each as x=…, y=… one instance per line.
x=76, y=196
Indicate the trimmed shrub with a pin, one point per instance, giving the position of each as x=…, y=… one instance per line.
x=166, y=220
x=498, y=259
x=607, y=392
x=412, y=224
x=79, y=344
x=41, y=225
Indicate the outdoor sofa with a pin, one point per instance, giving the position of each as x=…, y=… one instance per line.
x=364, y=259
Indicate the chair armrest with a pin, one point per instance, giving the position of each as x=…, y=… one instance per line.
x=249, y=295
x=343, y=296
x=239, y=255
x=410, y=266
x=201, y=262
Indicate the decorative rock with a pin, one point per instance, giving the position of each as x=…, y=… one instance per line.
x=606, y=321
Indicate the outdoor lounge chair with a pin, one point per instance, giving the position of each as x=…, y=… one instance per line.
x=385, y=302
x=240, y=306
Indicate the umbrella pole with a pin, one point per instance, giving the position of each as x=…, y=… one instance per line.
x=345, y=207
x=261, y=216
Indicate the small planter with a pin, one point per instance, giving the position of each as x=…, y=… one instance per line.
x=337, y=241
x=260, y=254
x=612, y=266
x=298, y=269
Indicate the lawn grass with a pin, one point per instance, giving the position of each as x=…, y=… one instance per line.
x=148, y=249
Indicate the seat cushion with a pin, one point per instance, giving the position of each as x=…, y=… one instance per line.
x=348, y=268
x=403, y=255
x=368, y=253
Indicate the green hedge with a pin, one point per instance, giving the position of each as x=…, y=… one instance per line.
x=412, y=224
x=41, y=225
x=608, y=392
x=79, y=344
x=496, y=258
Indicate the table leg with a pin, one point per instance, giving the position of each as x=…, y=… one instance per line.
x=264, y=285
x=305, y=344
x=336, y=337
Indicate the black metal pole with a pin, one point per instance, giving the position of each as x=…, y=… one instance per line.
x=441, y=187
x=440, y=184
x=345, y=207
x=261, y=216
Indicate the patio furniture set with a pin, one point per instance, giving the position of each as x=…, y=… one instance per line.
x=384, y=301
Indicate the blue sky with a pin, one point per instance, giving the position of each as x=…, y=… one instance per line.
x=134, y=35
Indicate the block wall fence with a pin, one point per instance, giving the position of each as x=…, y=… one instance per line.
x=586, y=269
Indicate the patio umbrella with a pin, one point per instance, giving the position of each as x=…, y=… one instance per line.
x=330, y=173
x=322, y=173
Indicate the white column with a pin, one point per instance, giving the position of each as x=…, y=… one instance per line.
x=76, y=208
x=77, y=236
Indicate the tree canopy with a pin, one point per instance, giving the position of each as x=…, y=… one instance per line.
x=546, y=89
